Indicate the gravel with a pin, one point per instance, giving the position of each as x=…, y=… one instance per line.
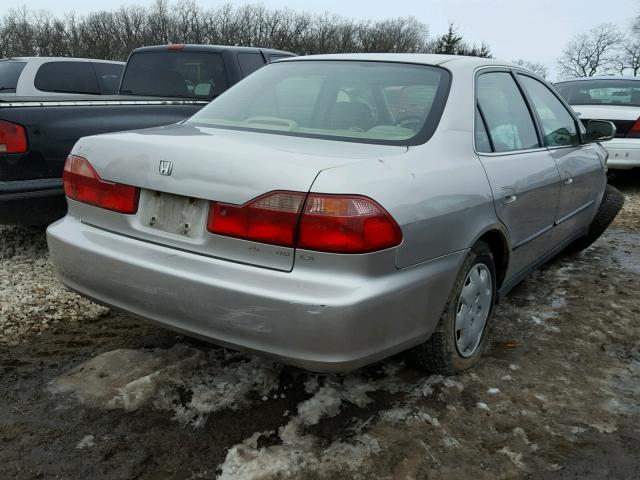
x=31, y=299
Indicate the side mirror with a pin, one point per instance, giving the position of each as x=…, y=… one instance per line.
x=599, y=131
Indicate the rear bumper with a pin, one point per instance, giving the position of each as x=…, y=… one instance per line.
x=323, y=322
x=624, y=153
x=32, y=202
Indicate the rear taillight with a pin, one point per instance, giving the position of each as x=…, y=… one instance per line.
x=634, y=131
x=346, y=224
x=326, y=223
x=271, y=218
x=13, y=138
x=82, y=183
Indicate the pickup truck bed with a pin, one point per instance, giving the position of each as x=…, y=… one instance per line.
x=160, y=85
x=31, y=183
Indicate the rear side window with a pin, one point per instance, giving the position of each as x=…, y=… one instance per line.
x=9, y=74
x=177, y=73
x=67, y=77
x=505, y=112
x=483, y=144
x=558, y=124
x=250, y=62
x=109, y=75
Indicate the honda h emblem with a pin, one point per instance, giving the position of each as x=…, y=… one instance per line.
x=165, y=167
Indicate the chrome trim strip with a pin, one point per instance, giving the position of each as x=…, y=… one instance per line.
x=93, y=103
x=575, y=212
x=533, y=237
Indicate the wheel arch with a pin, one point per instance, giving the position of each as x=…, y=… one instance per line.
x=497, y=239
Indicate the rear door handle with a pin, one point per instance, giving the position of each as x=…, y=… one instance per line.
x=509, y=195
x=567, y=179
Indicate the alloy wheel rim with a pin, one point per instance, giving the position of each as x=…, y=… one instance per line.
x=472, y=312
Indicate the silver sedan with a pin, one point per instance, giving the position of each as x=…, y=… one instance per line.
x=330, y=211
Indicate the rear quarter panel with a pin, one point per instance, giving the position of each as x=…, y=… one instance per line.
x=437, y=192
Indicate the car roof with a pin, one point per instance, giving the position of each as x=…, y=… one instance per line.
x=58, y=59
x=212, y=48
x=420, y=58
x=600, y=77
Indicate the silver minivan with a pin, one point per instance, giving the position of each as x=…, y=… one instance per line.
x=330, y=211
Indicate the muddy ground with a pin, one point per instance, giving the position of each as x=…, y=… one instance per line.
x=88, y=393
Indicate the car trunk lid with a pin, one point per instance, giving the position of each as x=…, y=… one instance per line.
x=182, y=168
x=623, y=117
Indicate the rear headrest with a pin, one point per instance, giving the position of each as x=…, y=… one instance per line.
x=346, y=115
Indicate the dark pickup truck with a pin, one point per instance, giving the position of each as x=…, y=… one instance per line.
x=160, y=85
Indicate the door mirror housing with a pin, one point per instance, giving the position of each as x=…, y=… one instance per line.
x=599, y=131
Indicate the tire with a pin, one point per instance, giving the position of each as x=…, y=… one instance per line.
x=441, y=353
x=611, y=204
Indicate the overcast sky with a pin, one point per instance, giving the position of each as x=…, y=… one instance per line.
x=533, y=30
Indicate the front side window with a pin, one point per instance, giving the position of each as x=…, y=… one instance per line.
x=175, y=74
x=557, y=123
x=67, y=77
x=9, y=74
x=605, y=91
x=506, y=114
x=374, y=102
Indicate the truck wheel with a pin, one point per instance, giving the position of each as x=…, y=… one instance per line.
x=612, y=203
x=461, y=335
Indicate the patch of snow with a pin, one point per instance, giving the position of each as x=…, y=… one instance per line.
x=190, y=382
x=516, y=458
x=87, y=441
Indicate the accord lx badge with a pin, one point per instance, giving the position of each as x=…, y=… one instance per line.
x=165, y=167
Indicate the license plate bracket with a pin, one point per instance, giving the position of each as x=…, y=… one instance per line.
x=175, y=214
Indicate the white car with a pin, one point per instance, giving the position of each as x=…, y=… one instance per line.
x=58, y=76
x=610, y=98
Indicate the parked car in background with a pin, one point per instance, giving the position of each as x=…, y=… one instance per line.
x=46, y=76
x=160, y=85
x=610, y=98
x=330, y=211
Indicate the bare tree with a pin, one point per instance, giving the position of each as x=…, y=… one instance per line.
x=591, y=53
x=112, y=34
x=628, y=60
x=537, y=68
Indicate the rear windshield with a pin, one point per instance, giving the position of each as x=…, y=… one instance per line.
x=371, y=102
x=606, y=92
x=175, y=74
x=9, y=74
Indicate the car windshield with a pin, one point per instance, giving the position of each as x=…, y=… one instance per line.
x=9, y=74
x=606, y=92
x=175, y=73
x=371, y=102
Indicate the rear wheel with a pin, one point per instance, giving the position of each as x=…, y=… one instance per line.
x=461, y=335
x=612, y=203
